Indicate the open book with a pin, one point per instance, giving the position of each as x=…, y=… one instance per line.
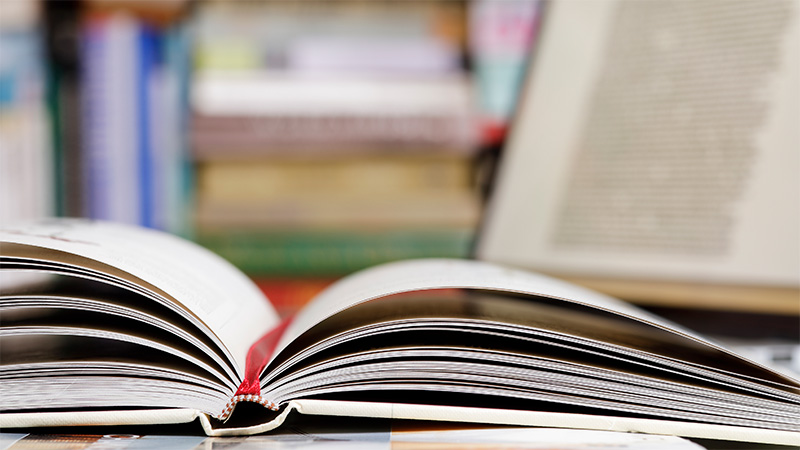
x=133, y=326
x=654, y=155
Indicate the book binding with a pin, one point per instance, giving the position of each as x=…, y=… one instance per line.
x=257, y=358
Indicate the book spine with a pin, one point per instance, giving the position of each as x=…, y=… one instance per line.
x=111, y=145
x=170, y=119
x=258, y=356
x=413, y=55
x=330, y=253
x=161, y=123
x=62, y=31
x=501, y=36
x=334, y=210
x=26, y=159
x=66, y=103
x=93, y=81
x=145, y=84
x=241, y=181
x=231, y=136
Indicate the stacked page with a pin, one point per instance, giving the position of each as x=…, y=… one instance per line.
x=110, y=324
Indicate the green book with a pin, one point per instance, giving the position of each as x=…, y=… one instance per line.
x=331, y=252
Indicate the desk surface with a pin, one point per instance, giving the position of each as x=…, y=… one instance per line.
x=349, y=434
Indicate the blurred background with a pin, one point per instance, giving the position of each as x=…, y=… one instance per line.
x=300, y=140
x=305, y=140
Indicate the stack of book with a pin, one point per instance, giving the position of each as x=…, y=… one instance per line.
x=326, y=146
x=118, y=96
x=25, y=158
x=501, y=35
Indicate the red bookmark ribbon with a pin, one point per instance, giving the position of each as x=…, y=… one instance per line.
x=257, y=358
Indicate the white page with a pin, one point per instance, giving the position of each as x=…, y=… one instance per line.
x=46, y=304
x=697, y=158
x=535, y=418
x=221, y=296
x=546, y=438
x=415, y=275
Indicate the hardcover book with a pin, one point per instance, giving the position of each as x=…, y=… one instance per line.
x=108, y=324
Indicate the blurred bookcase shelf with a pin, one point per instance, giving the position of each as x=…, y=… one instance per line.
x=301, y=140
x=331, y=136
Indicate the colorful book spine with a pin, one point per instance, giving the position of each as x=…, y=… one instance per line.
x=250, y=113
x=500, y=37
x=267, y=179
x=331, y=253
x=134, y=151
x=26, y=166
x=111, y=151
x=167, y=118
x=216, y=137
x=61, y=32
x=146, y=84
x=335, y=210
x=297, y=36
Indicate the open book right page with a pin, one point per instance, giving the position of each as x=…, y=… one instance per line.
x=465, y=340
x=426, y=274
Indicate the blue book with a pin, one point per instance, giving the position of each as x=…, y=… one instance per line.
x=146, y=88
x=110, y=101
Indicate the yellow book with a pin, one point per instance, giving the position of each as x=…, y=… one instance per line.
x=367, y=176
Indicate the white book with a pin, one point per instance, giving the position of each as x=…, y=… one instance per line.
x=260, y=93
x=139, y=327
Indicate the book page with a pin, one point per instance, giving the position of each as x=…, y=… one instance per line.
x=416, y=275
x=541, y=419
x=206, y=285
x=445, y=346
x=462, y=310
x=656, y=142
x=71, y=307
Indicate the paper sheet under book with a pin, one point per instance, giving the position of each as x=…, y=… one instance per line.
x=475, y=438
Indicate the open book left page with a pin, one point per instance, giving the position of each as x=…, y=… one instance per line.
x=128, y=319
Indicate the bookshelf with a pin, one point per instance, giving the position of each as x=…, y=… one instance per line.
x=300, y=140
